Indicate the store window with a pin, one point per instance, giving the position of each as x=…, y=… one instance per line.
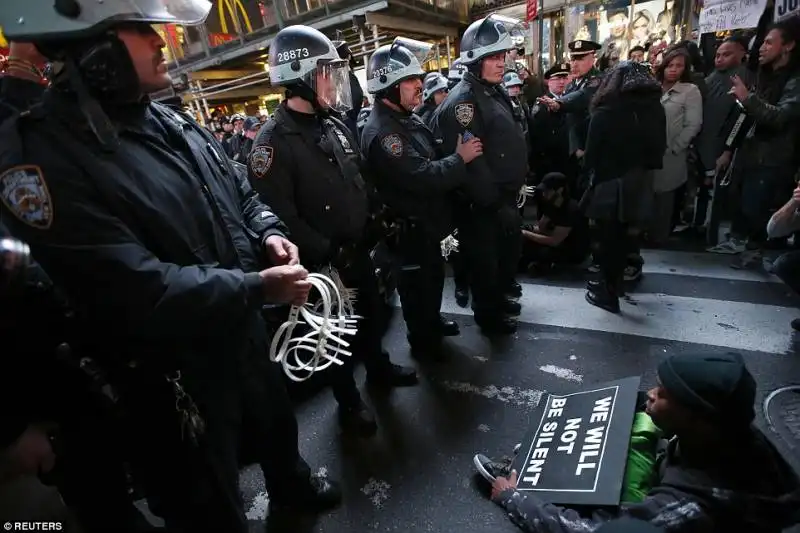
x=619, y=26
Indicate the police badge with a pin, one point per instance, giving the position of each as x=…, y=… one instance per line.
x=260, y=160
x=464, y=114
x=393, y=145
x=24, y=192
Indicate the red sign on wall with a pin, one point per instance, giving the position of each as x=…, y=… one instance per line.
x=532, y=10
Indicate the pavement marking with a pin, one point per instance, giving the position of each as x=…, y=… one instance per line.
x=738, y=325
x=512, y=395
x=701, y=265
x=259, y=507
x=484, y=428
x=377, y=491
x=563, y=373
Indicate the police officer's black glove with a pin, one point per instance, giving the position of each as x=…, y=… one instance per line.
x=510, y=220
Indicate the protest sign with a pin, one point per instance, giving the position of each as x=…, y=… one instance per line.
x=724, y=15
x=577, y=447
x=786, y=8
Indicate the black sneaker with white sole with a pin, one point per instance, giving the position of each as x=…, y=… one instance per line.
x=490, y=469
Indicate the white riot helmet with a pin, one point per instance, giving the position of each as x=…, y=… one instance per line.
x=456, y=72
x=489, y=36
x=511, y=79
x=390, y=64
x=46, y=20
x=433, y=83
x=303, y=57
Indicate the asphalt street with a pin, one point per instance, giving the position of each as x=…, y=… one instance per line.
x=416, y=475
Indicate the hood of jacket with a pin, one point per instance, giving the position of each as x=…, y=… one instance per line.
x=750, y=486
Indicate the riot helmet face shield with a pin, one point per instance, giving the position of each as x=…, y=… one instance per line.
x=29, y=20
x=330, y=81
x=419, y=49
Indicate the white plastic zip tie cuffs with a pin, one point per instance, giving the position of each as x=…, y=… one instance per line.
x=324, y=344
x=524, y=193
x=449, y=244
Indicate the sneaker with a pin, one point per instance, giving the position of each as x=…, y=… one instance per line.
x=729, y=247
x=490, y=469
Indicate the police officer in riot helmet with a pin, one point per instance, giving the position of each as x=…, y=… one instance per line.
x=434, y=89
x=479, y=106
x=513, y=86
x=308, y=163
x=415, y=184
x=135, y=212
x=455, y=73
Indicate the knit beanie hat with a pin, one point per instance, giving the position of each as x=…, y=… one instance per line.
x=717, y=385
x=628, y=525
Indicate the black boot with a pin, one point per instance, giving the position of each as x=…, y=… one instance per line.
x=494, y=325
x=392, y=375
x=356, y=418
x=602, y=295
x=448, y=328
x=462, y=295
x=511, y=307
x=318, y=493
x=514, y=290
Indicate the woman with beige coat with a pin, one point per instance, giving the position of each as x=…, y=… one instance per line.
x=683, y=106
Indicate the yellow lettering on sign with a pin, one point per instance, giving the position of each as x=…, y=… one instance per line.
x=225, y=5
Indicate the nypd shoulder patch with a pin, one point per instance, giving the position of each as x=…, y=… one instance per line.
x=260, y=160
x=393, y=145
x=24, y=192
x=465, y=113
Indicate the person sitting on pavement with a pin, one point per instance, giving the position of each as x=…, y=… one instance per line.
x=784, y=222
x=718, y=473
x=561, y=234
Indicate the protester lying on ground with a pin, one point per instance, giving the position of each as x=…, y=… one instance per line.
x=718, y=474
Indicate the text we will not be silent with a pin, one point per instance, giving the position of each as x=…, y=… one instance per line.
x=565, y=443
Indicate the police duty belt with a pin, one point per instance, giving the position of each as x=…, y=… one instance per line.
x=324, y=345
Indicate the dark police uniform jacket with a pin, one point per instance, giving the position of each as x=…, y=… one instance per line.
x=476, y=108
x=549, y=139
x=296, y=164
x=18, y=94
x=410, y=178
x=425, y=113
x=576, y=100
x=156, y=244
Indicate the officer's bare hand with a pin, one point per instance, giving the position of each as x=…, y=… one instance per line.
x=282, y=251
x=31, y=454
x=723, y=161
x=286, y=284
x=469, y=150
x=548, y=102
x=14, y=258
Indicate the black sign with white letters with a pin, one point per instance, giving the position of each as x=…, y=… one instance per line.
x=577, y=447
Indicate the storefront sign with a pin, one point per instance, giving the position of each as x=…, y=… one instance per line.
x=531, y=10
x=786, y=8
x=577, y=448
x=724, y=15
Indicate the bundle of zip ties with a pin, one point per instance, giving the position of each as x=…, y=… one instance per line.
x=324, y=344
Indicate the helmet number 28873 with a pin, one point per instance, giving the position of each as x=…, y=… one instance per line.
x=290, y=55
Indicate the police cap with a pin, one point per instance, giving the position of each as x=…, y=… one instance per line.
x=582, y=47
x=559, y=70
